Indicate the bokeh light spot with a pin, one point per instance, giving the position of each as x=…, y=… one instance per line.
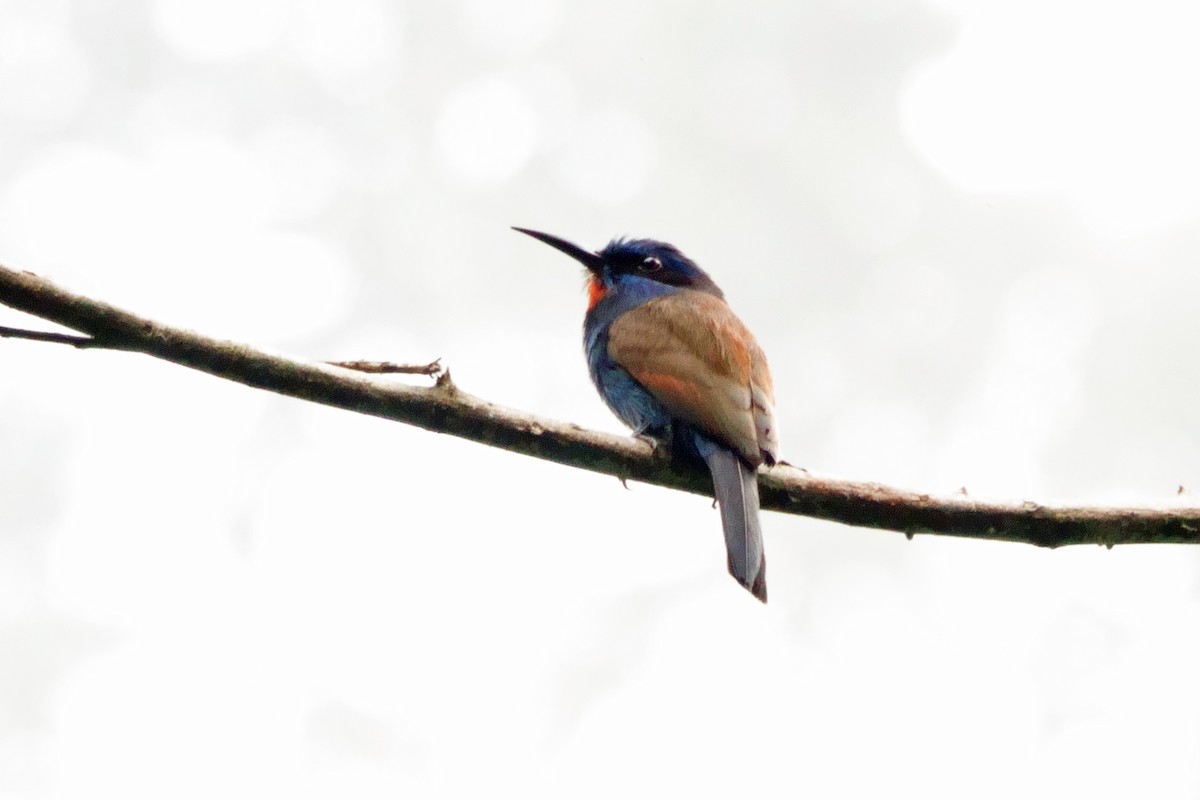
x=508, y=26
x=1092, y=110
x=753, y=99
x=352, y=45
x=609, y=158
x=486, y=131
x=44, y=76
x=216, y=30
x=305, y=168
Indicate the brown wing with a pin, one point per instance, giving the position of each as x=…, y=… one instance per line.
x=762, y=398
x=698, y=359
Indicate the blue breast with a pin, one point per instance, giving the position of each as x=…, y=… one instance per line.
x=632, y=404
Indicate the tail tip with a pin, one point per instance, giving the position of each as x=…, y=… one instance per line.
x=759, y=587
x=756, y=585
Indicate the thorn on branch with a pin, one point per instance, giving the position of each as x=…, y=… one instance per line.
x=388, y=368
x=46, y=336
x=79, y=342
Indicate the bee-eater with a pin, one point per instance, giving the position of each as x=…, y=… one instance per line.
x=674, y=363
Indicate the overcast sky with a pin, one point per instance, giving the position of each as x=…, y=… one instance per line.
x=965, y=232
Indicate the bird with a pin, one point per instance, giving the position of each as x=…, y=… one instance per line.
x=674, y=364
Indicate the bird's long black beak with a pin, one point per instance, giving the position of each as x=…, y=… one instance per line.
x=589, y=259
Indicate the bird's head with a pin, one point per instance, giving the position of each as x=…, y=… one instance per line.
x=632, y=259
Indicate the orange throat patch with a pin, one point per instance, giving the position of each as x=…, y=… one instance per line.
x=595, y=290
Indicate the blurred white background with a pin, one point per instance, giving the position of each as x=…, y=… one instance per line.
x=966, y=233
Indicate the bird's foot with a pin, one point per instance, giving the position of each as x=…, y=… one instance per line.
x=660, y=448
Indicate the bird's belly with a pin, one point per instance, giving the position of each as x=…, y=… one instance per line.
x=632, y=404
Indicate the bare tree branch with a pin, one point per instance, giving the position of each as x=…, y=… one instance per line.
x=446, y=409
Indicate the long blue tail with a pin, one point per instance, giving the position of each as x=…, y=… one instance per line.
x=736, y=488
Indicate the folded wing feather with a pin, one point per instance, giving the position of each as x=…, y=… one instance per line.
x=698, y=359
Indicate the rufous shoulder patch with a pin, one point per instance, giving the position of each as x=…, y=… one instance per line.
x=595, y=290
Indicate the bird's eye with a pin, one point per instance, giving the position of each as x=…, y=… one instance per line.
x=650, y=264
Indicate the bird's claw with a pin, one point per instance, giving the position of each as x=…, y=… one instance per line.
x=659, y=451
